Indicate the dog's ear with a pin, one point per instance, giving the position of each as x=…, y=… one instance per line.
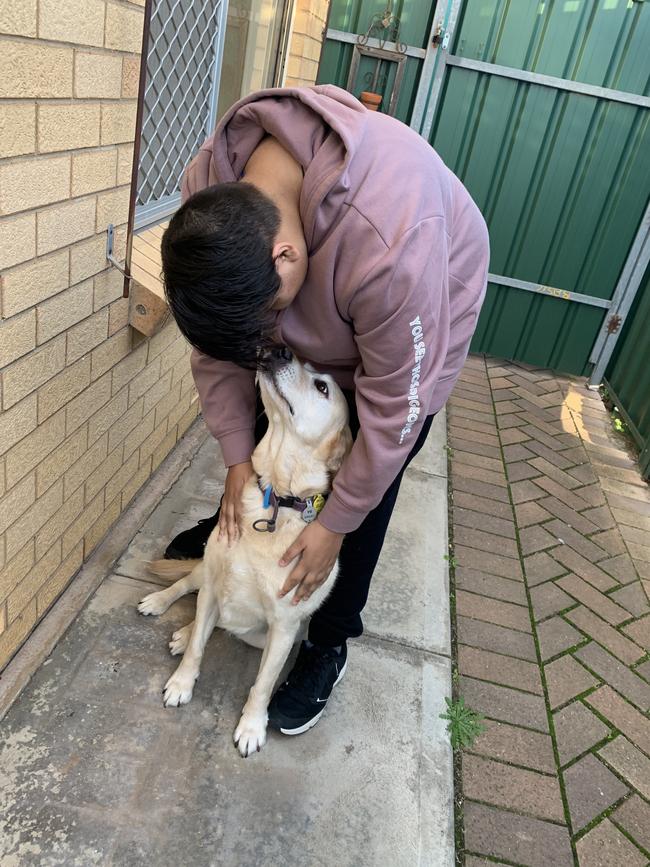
x=336, y=448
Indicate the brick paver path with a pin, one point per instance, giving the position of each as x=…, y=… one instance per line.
x=550, y=523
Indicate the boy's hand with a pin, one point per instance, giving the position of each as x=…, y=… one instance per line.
x=318, y=548
x=230, y=514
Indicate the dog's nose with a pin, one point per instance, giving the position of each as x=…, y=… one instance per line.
x=282, y=354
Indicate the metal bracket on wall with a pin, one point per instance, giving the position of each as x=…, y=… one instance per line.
x=110, y=253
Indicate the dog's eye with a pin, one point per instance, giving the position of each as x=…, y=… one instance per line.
x=321, y=385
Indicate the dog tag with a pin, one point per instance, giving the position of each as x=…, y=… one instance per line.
x=309, y=513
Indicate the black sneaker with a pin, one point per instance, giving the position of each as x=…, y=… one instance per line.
x=300, y=701
x=190, y=544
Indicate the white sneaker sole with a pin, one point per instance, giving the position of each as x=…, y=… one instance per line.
x=312, y=722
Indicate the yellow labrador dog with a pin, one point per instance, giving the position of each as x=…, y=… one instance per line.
x=306, y=441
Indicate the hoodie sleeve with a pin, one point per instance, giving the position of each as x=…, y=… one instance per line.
x=401, y=320
x=227, y=396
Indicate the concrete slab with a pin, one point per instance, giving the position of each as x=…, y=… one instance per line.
x=432, y=458
x=95, y=770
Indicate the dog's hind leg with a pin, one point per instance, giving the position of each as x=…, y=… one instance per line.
x=178, y=689
x=157, y=603
x=250, y=734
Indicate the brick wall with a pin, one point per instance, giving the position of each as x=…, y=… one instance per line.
x=306, y=42
x=89, y=407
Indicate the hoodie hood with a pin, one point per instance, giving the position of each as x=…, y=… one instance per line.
x=322, y=127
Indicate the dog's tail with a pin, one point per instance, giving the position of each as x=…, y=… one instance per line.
x=172, y=569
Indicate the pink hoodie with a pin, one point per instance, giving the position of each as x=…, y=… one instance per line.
x=398, y=257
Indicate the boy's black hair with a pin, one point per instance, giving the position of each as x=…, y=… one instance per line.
x=219, y=274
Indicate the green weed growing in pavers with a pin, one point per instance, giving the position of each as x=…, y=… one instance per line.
x=449, y=450
x=453, y=562
x=464, y=725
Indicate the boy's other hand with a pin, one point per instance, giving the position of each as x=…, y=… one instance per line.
x=230, y=514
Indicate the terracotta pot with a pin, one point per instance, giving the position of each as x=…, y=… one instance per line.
x=372, y=101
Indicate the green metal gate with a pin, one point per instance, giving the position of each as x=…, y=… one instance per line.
x=541, y=107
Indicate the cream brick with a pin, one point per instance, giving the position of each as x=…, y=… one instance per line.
x=118, y=122
x=89, y=401
x=63, y=388
x=121, y=478
x=84, y=522
x=27, y=589
x=26, y=527
x=51, y=591
x=157, y=392
x=130, y=77
x=80, y=21
x=179, y=410
x=163, y=449
x=30, y=69
x=25, y=375
x=113, y=207
x=136, y=483
x=97, y=76
x=93, y=170
x=14, y=572
x=138, y=435
x=125, y=371
x=17, y=129
x=33, y=182
x=17, y=240
x=109, y=286
x=108, y=415
x=64, y=310
x=104, y=472
x=88, y=258
x=152, y=442
x=124, y=28
x=29, y=284
x=120, y=238
x=61, y=459
x=144, y=381
x=65, y=224
x=186, y=420
x=2, y=478
x=167, y=404
x=164, y=338
x=102, y=525
x=49, y=535
x=36, y=446
x=65, y=127
x=126, y=423
x=17, y=501
x=84, y=467
x=17, y=336
x=124, y=163
x=118, y=316
x=110, y=352
x=87, y=335
x=172, y=355
x=17, y=422
x=13, y=637
x=18, y=17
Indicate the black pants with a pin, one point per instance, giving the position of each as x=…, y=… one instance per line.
x=339, y=617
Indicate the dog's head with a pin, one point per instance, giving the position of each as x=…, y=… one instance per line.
x=308, y=432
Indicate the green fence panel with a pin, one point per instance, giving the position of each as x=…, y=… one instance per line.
x=628, y=374
x=561, y=177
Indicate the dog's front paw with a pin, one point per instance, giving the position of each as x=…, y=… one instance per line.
x=180, y=640
x=250, y=734
x=154, y=603
x=178, y=689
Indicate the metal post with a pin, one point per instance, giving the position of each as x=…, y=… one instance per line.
x=624, y=294
x=429, y=65
x=442, y=50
